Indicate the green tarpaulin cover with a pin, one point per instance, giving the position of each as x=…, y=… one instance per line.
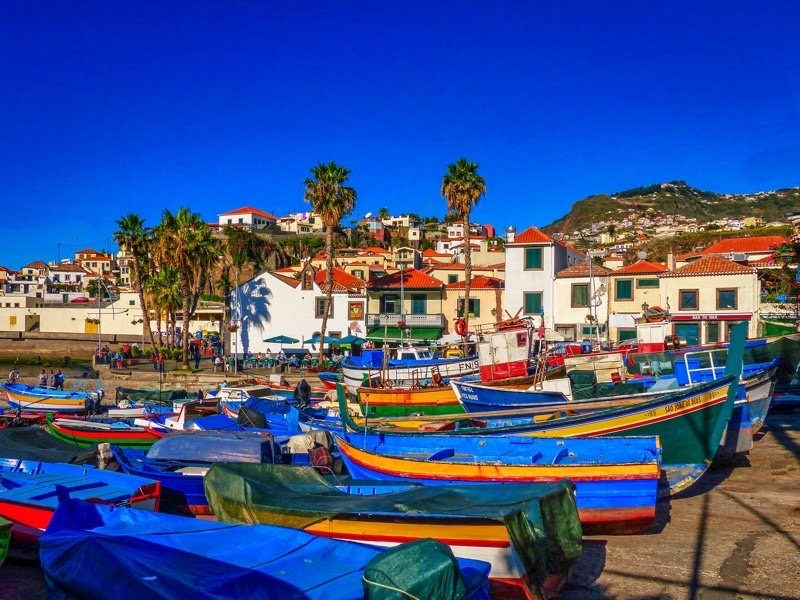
x=542, y=519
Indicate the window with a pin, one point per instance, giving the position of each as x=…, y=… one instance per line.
x=419, y=304
x=589, y=330
x=131, y=302
x=389, y=305
x=688, y=300
x=358, y=273
x=648, y=283
x=320, y=308
x=532, y=303
x=623, y=289
x=474, y=307
x=688, y=332
x=452, y=278
x=580, y=295
x=726, y=299
x=533, y=258
x=712, y=333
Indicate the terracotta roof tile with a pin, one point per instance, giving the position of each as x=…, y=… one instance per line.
x=641, y=267
x=765, y=243
x=412, y=279
x=249, y=210
x=374, y=250
x=430, y=252
x=342, y=281
x=711, y=264
x=37, y=264
x=481, y=282
x=68, y=268
x=582, y=270
x=532, y=235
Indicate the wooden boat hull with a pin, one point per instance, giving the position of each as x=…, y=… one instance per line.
x=30, y=398
x=87, y=434
x=616, y=485
x=406, y=373
x=477, y=522
x=390, y=402
x=30, y=491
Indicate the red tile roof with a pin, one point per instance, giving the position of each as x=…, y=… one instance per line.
x=412, y=279
x=711, y=264
x=568, y=246
x=87, y=251
x=532, y=235
x=68, y=268
x=375, y=250
x=37, y=264
x=249, y=210
x=582, y=270
x=481, y=282
x=342, y=281
x=765, y=243
x=286, y=278
x=6, y=269
x=641, y=267
x=430, y=252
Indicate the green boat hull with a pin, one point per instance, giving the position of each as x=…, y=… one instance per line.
x=5, y=537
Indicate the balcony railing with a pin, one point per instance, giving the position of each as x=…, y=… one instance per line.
x=390, y=320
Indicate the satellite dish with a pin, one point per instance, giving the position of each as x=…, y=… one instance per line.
x=641, y=254
x=368, y=215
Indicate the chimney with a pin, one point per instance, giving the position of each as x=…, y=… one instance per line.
x=670, y=261
x=511, y=231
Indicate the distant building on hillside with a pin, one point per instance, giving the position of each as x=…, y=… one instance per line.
x=247, y=216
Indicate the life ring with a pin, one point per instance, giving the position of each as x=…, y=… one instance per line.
x=461, y=326
x=655, y=314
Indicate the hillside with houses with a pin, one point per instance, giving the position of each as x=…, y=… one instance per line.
x=401, y=278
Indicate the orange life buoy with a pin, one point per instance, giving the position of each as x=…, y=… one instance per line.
x=461, y=326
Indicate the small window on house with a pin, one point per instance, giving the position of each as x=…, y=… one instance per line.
x=131, y=302
x=623, y=289
x=726, y=299
x=389, y=305
x=532, y=303
x=688, y=299
x=452, y=278
x=533, y=259
x=712, y=333
x=648, y=283
x=320, y=308
x=580, y=295
x=474, y=307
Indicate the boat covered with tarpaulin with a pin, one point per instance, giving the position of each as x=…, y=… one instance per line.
x=93, y=551
x=34, y=443
x=529, y=533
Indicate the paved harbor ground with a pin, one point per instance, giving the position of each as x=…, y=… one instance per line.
x=737, y=536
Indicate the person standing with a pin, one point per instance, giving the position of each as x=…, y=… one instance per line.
x=51, y=380
x=60, y=380
x=160, y=361
x=42, y=379
x=196, y=350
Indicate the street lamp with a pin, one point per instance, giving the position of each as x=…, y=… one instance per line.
x=233, y=315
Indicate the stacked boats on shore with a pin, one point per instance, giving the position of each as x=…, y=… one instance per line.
x=502, y=460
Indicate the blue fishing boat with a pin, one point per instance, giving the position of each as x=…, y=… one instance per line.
x=30, y=491
x=167, y=556
x=616, y=479
x=180, y=460
x=32, y=398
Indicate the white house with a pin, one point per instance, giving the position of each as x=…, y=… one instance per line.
x=275, y=304
x=581, y=308
x=247, y=216
x=704, y=296
x=532, y=260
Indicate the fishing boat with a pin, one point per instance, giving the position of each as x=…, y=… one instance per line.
x=31, y=398
x=529, y=533
x=689, y=423
x=285, y=390
x=398, y=402
x=153, y=555
x=406, y=366
x=30, y=491
x=87, y=433
x=179, y=461
x=616, y=479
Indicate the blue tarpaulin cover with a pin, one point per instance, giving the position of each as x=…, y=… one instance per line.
x=95, y=551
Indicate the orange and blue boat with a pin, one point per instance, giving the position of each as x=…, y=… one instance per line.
x=530, y=534
x=29, y=398
x=400, y=402
x=616, y=479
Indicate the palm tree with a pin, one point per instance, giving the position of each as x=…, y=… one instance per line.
x=332, y=200
x=183, y=240
x=462, y=187
x=135, y=237
x=164, y=292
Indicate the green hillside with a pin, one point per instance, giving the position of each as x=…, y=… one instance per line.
x=675, y=198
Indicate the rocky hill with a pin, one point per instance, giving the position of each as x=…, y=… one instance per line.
x=675, y=198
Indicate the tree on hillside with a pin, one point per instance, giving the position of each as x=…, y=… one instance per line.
x=383, y=213
x=462, y=187
x=135, y=238
x=184, y=241
x=332, y=200
x=164, y=296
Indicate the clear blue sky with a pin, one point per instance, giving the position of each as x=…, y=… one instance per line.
x=109, y=107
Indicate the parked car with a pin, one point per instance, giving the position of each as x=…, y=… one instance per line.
x=80, y=299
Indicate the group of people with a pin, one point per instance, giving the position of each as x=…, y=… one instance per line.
x=158, y=360
x=51, y=380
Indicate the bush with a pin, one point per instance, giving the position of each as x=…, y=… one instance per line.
x=177, y=354
x=136, y=352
